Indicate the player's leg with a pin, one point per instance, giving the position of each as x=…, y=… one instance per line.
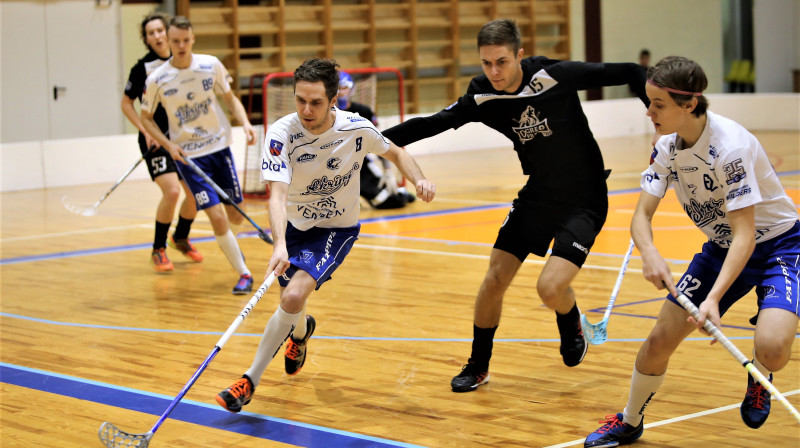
x=186, y=216
x=162, y=171
x=575, y=236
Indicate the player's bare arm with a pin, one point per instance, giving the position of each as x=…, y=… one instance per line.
x=130, y=113
x=236, y=107
x=152, y=128
x=654, y=267
x=279, y=262
x=411, y=171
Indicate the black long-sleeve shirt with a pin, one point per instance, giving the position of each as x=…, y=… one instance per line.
x=544, y=120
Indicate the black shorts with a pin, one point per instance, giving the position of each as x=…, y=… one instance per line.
x=158, y=161
x=530, y=228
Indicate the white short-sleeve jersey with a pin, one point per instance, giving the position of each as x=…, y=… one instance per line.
x=726, y=170
x=196, y=121
x=322, y=170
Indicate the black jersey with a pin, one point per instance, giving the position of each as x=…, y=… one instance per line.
x=135, y=86
x=544, y=120
x=363, y=110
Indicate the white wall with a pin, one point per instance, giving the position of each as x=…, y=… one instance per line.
x=776, y=53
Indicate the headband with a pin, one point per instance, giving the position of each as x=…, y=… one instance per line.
x=679, y=92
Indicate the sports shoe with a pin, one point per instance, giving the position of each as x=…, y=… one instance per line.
x=295, y=355
x=239, y=394
x=244, y=285
x=614, y=432
x=186, y=248
x=470, y=378
x=160, y=261
x=573, y=343
x=756, y=403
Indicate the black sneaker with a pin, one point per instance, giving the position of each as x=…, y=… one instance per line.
x=614, y=432
x=295, y=355
x=239, y=394
x=573, y=342
x=469, y=379
x=756, y=403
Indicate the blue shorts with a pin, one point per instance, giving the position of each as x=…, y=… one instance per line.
x=773, y=269
x=318, y=251
x=220, y=168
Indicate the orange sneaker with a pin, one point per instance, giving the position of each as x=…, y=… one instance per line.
x=160, y=261
x=186, y=248
x=239, y=394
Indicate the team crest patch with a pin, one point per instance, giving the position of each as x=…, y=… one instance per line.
x=275, y=147
x=653, y=155
x=530, y=125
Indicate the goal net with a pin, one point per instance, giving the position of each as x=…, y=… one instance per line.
x=380, y=88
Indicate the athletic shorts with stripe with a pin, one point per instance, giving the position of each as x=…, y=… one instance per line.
x=773, y=269
x=318, y=251
x=220, y=168
x=531, y=227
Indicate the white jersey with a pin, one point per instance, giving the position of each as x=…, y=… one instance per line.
x=726, y=170
x=322, y=170
x=196, y=121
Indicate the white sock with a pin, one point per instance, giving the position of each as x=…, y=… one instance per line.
x=764, y=371
x=643, y=387
x=235, y=228
x=227, y=242
x=275, y=333
x=300, y=327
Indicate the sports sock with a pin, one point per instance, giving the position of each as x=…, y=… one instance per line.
x=227, y=242
x=235, y=228
x=275, y=333
x=643, y=387
x=182, y=229
x=300, y=327
x=160, y=240
x=482, y=344
x=573, y=315
x=764, y=371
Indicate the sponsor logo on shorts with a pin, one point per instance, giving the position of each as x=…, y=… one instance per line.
x=786, y=279
x=580, y=248
x=327, y=254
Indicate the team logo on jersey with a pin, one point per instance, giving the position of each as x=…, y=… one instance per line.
x=331, y=144
x=530, y=125
x=702, y=214
x=712, y=151
x=688, y=169
x=357, y=118
x=199, y=132
x=738, y=192
x=734, y=172
x=306, y=158
x=333, y=163
x=170, y=92
x=653, y=155
x=190, y=96
x=294, y=137
x=190, y=112
x=275, y=147
x=324, y=186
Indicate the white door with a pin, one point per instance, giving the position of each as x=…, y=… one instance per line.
x=83, y=67
x=71, y=44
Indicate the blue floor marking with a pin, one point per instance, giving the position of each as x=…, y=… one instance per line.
x=245, y=423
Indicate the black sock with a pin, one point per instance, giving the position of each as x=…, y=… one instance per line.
x=569, y=321
x=182, y=229
x=482, y=343
x=160, y=241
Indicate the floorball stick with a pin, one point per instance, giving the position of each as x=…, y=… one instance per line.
x=722, y=339
x=113, y=437
x=596, y=334
x=87, y=209
x=227, y=199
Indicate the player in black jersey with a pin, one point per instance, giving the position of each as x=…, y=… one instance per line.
x=159, y=163
x=378, y=184
x=534, y=102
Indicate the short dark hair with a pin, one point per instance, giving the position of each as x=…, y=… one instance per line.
x=180, y=22
x=320, y=70
x=680, y=73
x=163, y=17
x=500, y=32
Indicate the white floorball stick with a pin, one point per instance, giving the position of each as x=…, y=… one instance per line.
x=722, y=339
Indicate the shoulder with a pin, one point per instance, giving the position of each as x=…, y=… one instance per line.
x=205, y=62
x=727, y=135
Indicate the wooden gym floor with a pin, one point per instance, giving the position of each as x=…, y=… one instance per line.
x=90, y=333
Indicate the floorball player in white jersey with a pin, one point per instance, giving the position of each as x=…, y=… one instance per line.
x=725, y=183
x=187, y=86
x=312, y=160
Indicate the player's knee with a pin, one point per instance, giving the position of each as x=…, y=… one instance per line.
x=773, y=353
x=550, y=292
x=292, y=301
